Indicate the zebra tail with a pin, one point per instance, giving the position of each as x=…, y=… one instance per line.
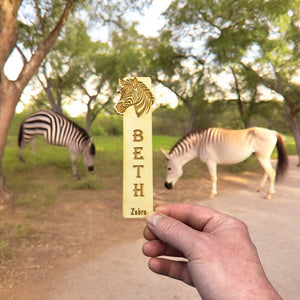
x=20, y=138
x=282, y=160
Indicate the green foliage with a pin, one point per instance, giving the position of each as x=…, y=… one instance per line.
x=201, y=41
x=106, y=125
x=270, y=114
x=256, y=43
x=5, y=251
x=168, y=121
x=224, y=114
x=39, y=20
x=290, y=145
x=218, y=114
x=89, y=183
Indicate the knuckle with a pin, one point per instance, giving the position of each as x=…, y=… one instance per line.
x=239, y=226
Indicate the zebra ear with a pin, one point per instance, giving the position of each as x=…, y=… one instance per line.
x=165, y=153
x=135, y=82
x=91, y=139
x=122, y=82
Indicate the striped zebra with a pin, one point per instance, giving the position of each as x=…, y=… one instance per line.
x=60, y=131
x=220, y=146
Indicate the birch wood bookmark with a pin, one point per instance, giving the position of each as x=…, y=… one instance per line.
x=135, y=105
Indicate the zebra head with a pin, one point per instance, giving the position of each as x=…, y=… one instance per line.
x=173, y=169
x=88, y=154
x=134, y=93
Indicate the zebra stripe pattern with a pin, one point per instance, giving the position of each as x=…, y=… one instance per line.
x=60, y=131
x=199, y=138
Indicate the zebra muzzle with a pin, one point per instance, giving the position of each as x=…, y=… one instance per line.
x=168, y=185
x=91, y=168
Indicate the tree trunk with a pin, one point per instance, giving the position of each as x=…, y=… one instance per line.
x=8, y=94
x=10, y=91
x=191, y=120
x=9, y=97
x=291, y=98
x=88, y=120
x=291, y=112
x=294, y=127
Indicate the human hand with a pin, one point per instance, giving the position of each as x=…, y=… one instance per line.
x=221, y=260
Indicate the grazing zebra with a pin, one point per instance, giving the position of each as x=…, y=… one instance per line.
x=58, y=130
x=220, y=146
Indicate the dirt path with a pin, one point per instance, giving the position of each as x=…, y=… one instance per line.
x=86, y=250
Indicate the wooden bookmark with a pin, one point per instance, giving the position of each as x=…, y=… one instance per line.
x=135, y=105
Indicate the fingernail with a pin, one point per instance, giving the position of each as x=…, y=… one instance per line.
x=153, y=218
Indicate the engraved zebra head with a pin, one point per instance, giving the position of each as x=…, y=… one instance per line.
x=88, y=153
x=134, y=93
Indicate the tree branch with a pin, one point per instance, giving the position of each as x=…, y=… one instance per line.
x=169, y=87
x=238, y=92
x=30, y=68
x=8, y=30
x=22, y=54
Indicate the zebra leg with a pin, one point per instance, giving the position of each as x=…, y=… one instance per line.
x=74, y=154
x=74, y=169
x=33, y=145
x=21, y=158
x=262, y=183
x=74, y=165
x=271, y=173
x=212, y=168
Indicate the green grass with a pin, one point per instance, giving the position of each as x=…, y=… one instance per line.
x=88, y=183
x=37, y=182
x=162, y=141
x=290, y=145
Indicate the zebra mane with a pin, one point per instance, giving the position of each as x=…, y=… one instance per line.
x=145, y=100
x=186, y=142
x=83, y=134
x=82, y=131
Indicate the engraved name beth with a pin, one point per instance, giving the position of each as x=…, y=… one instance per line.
x=138, y=166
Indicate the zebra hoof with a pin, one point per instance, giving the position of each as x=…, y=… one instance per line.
x=22, y=159
x=269, y=196
x=212, y=195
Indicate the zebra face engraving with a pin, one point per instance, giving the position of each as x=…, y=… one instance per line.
x=88, y=154
x=134, y=93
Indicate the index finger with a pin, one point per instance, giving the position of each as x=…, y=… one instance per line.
x=194, y=215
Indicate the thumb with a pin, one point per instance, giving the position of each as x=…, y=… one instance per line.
x=173, y=232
